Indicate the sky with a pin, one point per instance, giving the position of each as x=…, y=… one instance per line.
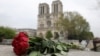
x=23, y=13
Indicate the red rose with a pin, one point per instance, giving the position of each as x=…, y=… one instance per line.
x=17, y=51
x=20, y=44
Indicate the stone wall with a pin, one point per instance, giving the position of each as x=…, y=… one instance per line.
x=7, y=41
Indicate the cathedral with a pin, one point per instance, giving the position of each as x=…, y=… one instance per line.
x=47, y=20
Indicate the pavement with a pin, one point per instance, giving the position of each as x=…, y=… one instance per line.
x=83, y=53
x=7, y=50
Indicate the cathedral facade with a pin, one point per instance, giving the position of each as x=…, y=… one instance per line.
x=46, y=19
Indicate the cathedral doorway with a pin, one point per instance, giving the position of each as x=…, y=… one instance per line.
x=40, y=35
x=56, y=35
x=49, y=23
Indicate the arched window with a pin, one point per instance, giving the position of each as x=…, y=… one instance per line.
x=56, y=8
x=49, y=23
x=40, y=10
x=43, y=9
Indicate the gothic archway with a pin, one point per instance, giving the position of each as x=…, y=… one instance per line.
x=56, y=35
x=61, y=34
x=40, y=35
x=48, y=23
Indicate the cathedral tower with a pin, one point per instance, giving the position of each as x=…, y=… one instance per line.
x=46, y=20
x=43, y=9
x=43, y=14
x=57, y=7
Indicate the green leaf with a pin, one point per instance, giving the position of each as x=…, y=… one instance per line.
x=59, y=47
x=35, y=53
x=45, y=52
x=62, y=52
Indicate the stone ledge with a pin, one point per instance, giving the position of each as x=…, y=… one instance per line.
x=7, y=41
